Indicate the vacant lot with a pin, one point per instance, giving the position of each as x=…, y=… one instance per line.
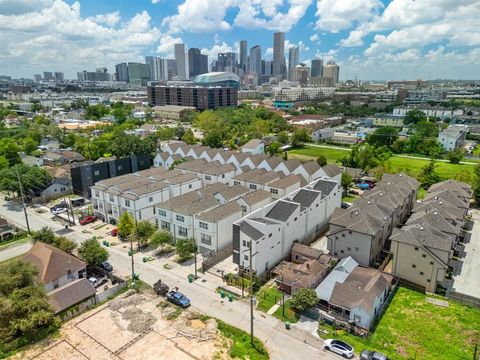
x=410, y=166
x=135, y=326
x=413, y=328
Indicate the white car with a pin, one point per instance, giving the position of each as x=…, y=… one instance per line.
x=58, y=211
x=339, y=347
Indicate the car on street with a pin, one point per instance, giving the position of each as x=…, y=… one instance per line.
x=77, y=202
x=106, y=266
x=87, y=220
x=178, y=299
x=372, y=355
x=339, y=347
x=344, y=205
x=58, y=209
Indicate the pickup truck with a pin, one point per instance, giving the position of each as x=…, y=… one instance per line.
x=178, y=299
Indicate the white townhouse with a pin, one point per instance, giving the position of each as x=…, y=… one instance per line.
x=165, y=160
x=453, y=137
x=284, y=186
x=254, y=146
x=254, y=200
x=270, y=163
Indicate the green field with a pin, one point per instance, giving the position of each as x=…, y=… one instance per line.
x=397, y=164
x=412, y=328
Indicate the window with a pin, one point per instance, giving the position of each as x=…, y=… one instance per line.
x=127, y=203
x=70, y=275
x=203, y=225
x=245, y=257
x=253, y=186
x=156, y=221
x=120, y=167
x=350, y=231
x=162, y=213
x=223, y=176
x=270, y=235
x=97, y=194
x=165, y=225
x=341, y=251
x=295, y=219
x=139, y=215
x=182, y=231
x=111, y=198
x=244, y=208
x=208, y=177
x=414, y=266
x=189, y=186
x=205, y=239
x=55, y=284
x=180, y=218
x=356, y=248
x=274, y=191
x=343, y=235
x=150, y=199
x=349, y=248
x=428, y=280
x=431, y=262
x=236, y=182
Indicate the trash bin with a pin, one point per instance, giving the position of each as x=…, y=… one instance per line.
x=287, y=325
x=222, y=294
x=190, y=279
x=230, y=297
x=144, y=259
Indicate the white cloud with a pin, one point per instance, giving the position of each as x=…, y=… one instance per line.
x=167, y=42
x=314, y=38
x=213, y=51
x=109, y=19
x=156, y=1
x=336, y=15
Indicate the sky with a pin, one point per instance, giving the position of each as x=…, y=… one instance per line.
x=369, y=39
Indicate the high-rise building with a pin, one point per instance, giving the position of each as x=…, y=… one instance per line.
x=121, y=72
x=293, y=60
x=150, y=61
x=100, y=74
x=181, y=61
x=197, y=62
x=226, y=62
x=37, y=77
x=317, y=68
x=138, y=73
x=267, y=67
x=256, y=62
x=58, y=76
x=47, y=75
x=331, y=70
x=300, y=74
x=243, y=56
x=278, y=54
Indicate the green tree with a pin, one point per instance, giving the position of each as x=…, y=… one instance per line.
x=321, y=160
x=383, y=136
x=29, y=145
x=274, y=148
x=92, y=252
x=456, y=155
x=126, y=225
x=299, y=138
x=165, y=133
x=124, y=145
x=31, y=177
x=346, y=180
x=145, y=229
x=364, y=156
x=161, y=238
x=47, y=236
x=414, y=116
x=282, y=137
x=10, y=149
x=429, y=176
x=189, y=137
x=185, y=248
x=15, y=275
x=476, y=184
x=213, y=139
x=304, y=299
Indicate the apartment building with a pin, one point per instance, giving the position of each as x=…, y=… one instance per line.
x=209, y=172
x=138, y=192
x=254, y=146
x=272, y=230
x=453, y=137
x=284, y=186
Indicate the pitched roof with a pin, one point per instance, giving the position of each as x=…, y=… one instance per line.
x=311, y=167
x=436, y=220
x=305, y=275
x=70, y=294
x=306, y=197
x=233, y=192
x=285, y=182
x=252, y=144
x=306, y=251
x=332, y=170
x=325, y=186
x=51, y=262
x=250, y=231
x=355, y=220
x=292, y=164
x=282, y=210
x=256, y=196
x=221, y=212
x=423, y=234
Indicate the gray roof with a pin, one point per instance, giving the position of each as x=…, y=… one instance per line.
x=423, y=234
x=306, y=197
x=332, y=170
x=256, y=196
x=436, y=220
x=285, y=182
x=325, y=186
x=292, y=164
x=221, y=212
x=355, y=220
x=253, y=143
x=233, y=192
x=70, y=294
x=250, y=231
x=181, y=179
x=311, y=167
x=338, y=274
x=282, y=210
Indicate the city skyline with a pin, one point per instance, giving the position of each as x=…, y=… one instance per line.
x=370, y=39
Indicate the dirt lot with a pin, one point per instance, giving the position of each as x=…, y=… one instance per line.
x=134, y=326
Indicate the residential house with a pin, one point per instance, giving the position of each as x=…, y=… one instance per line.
x=334, y=172
x=62, y=275
x=58, y=187
x=31, y=160
x=254, y=200
x=354, y=293
x=453, y=137
x=254, y=146
x=284, y=186
x=322, y=134
x=165, y=160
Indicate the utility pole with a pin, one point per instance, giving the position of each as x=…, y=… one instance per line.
x=131, y=252
x=283, y=298
x=251, y=293
x=68, y=212
x=23, y=200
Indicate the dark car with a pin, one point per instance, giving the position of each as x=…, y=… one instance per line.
x=87, y=220
x=344, y=205
x=372, y=355
x=106, y=266
x=178, y=299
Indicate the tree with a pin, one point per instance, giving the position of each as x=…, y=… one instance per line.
x=165, y=133
x=126, y=225
x=274, y=148
x=29, y=145
x=383, y=136
x=456, y=155
x=189, y=137
x=47, y=236
x=185, y=248
x=299, y=138
x=346, y=180
x=282, y=137
x=321, y=160
x=304, y=299
x=32, y=179
x=92, y=252
x=414, y=116
x=145, y=229
x=161, y=238
x=10, y=149
x=363, y=156
x=25, y=314
x=429, y=176
x=213, y=139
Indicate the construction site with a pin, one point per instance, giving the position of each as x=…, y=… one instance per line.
x=134, y=326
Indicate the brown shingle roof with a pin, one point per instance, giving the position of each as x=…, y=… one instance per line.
x=256, y=197
x=221, y=212
x=70, y=294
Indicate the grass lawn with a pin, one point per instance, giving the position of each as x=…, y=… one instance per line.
x=349, y=198
x=241, y=347
x=410, y=166
x=412, y=328
x=267, y=297
x=290, y=315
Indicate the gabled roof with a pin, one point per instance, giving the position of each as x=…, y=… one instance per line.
x=221, y=212
x=70, y=294
x=311, y=167
x=250, y=231
x=355, y=220
x=51, y=262
x=292, y=164
x=256, y=196
x=285, y=182
x=282, y=210
x=326, y=187
x=306, y=197
x=423, y=234
x=332, y=170
x=253, y=143
x=436, y=220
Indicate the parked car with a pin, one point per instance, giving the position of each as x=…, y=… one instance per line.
x=106, y=266
x=372, y=355
x=97, y=281
x=178, y=299
x=58, y=209
x=77, y=202
x=87, y=220
x=339, y=347
x=114, y=232
x=344, y=205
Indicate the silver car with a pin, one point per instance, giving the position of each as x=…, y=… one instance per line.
x=339, y=347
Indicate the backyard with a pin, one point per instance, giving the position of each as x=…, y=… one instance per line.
x=413, y=328
x=408, y=165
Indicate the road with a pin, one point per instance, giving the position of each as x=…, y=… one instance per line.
x=283, y=344
x=397, y=155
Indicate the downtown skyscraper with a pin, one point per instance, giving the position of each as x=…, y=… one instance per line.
x=278, y=54
x=180, y=58
x=293, y=60
x=243, y=56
